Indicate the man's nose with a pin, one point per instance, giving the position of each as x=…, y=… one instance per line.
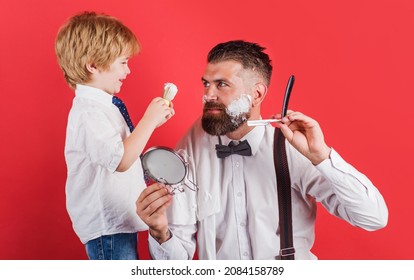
x=210, y=93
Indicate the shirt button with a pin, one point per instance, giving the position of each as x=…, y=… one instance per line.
x=242, y=224
x=245, y=254
x=239, y=194
x=237, y=164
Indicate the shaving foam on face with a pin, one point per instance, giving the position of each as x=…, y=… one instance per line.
x=239, y=107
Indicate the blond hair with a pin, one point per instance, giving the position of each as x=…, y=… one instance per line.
x=91, y=38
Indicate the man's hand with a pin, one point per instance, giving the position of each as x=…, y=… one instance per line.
x=305, y=134
x=151, y=208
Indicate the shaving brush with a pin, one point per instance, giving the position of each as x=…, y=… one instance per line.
x=170, y=90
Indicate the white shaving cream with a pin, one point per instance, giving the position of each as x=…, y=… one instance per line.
x=239, y=106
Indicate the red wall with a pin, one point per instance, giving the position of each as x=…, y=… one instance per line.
x=353, y=62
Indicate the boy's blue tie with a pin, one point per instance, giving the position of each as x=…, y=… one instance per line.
x=122, y=108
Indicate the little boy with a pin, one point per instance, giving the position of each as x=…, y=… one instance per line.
x=102, y=148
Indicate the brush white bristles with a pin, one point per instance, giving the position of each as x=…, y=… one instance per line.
x=170, y=90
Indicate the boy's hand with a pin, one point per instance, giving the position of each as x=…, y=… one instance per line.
x=158, y=112
x=151, y=207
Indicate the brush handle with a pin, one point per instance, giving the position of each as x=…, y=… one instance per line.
x=167, y=101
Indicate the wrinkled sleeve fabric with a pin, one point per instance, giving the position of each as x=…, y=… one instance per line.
x=101, y=141
x=343, y=191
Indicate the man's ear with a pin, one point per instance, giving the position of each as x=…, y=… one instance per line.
x=260, y=90
x=91, y=68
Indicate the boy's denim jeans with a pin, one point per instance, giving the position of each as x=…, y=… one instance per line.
x=121, y=246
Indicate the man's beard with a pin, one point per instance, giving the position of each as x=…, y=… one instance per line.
x=221, y=123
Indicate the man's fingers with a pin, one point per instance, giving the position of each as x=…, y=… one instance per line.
x=286, y=131
x=152, y=198
x=158, y=205
x=299, y=117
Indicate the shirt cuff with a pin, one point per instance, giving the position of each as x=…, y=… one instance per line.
x=160, y=251
x=338, y=171
x=334, y=163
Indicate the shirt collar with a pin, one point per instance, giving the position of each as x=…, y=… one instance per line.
x=97, y=94
x=254, y=137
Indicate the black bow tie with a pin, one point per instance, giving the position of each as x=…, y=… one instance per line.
x=243, y=149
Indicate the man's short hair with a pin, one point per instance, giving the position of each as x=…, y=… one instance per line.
x=92, y=38
x=249, y=55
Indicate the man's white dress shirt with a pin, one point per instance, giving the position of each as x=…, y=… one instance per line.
x=235, y=212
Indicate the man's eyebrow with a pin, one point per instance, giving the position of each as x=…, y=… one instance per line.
x=215, y=81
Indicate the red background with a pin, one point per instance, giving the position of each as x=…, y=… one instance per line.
x=353, y=62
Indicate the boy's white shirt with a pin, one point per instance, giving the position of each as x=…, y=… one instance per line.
x=99, y=200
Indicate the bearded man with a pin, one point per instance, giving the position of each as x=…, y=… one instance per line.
x=234, y=215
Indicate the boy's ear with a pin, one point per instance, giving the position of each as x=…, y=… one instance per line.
x=260, y=90
x=91, y=67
